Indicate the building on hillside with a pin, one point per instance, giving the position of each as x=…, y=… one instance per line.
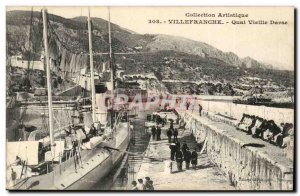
x=17, y=61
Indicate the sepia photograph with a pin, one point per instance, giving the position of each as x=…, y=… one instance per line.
x=149, y=99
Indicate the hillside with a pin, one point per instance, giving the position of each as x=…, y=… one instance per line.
x=167, y=42
x=168, y=57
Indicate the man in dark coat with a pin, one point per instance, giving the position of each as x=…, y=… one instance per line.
x=80, y=118
x=158, y=120
x=187, y=158
x=169, y=134
x=153, y=132
x=177, y=144
x=171, y=123
x=148, y=184
x=179, y=159
x=175, y=134
x=158, y=130
x=151, y=185
x=134, y=186
x=187, y=105
x=184, y=147
x=18, y=160
x=93, y=131
x=157, y=117
x=171, y=127
x=200, y=109
x=194, y=158
x=173, y=149
x=140, y=185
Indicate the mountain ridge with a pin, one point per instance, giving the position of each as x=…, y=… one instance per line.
x=168, y=57
x=154, y=42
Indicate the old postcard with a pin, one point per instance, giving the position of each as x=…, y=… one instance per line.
x=150, y=98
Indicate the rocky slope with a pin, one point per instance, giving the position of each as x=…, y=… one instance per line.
x=167, y=42
x=73, y=32
x=185, y=58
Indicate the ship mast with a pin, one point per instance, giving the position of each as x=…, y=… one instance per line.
x=111, y=70
x=92, y=69
x=45, y=35
x=110, y=54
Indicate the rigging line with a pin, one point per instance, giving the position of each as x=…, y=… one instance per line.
x=44, y=120
x=59, y=40
x=38, y=23
x=84, y=52
x=120, y=53
x=29, y=42
x=53, y=32
x=111, y=52
x=62, y=44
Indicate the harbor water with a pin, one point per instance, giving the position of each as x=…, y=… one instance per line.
x=125, y=172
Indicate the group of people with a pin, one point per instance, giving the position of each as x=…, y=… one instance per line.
x=77, y=137
x=183, y=153
x=172, y=132
x=156, y=132
x=188, y=104
x=266, y=130
x=78, y=131
x=157, y=119
x=142, y=185
x=180, y=153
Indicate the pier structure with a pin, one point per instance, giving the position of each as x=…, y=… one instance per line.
x=207, y=175
x=249, y=163
x=230, y=159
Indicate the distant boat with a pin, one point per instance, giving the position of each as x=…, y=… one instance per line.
x=261, y=99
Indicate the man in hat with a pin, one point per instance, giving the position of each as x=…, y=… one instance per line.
x=200, y=109
x=153, y=132
x=18, y=160
x=194, y=158
x=140, y=186
x=173, y=149
x=165, y=120
x=99, y=128
x=81, y=117
x=134, y=186
x=151, y=185
x=179, y=159
x=93, y=131
x=148, y=185
x=175, y=134
x=177, y=144
x=169, y=134
x=171, y=123
x=184, y=147
x=187, y=105
x=171, y=126
x=158, y=131
x=187, y=158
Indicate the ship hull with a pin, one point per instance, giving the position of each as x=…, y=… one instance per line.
x=93, y=167
x=98, y=174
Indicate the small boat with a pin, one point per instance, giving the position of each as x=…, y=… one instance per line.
x=262, y=100
x=254, y=99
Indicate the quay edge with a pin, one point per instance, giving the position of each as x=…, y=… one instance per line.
x=247, y=167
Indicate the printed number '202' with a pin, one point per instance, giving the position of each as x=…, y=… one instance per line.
x=153, y=21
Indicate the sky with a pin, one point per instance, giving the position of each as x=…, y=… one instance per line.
x=266, y=43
